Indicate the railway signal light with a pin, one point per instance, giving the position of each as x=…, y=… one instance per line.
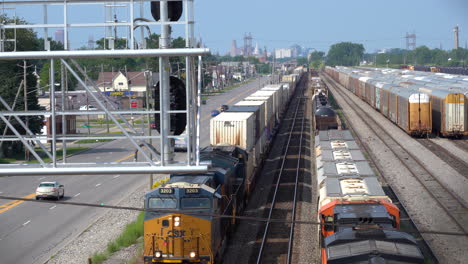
x=177, y=102
x=174, y=11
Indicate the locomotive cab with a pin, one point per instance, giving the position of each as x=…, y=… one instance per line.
x=180, y=222
x=179, y=229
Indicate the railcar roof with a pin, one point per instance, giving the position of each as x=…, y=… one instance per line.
x=341, y=187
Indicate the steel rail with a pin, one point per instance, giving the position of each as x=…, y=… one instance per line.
x=456, y=163
x=454, y=200
x=267, y=227
x=293, y=216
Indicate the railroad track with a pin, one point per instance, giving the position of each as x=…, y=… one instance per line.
x=275, y=239
x=455, y=162
x=450, y=203
x=462, y=143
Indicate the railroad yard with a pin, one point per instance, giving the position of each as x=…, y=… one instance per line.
x=161, y=139
x=425, y=177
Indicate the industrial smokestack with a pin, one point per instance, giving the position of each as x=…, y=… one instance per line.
x=455, y=30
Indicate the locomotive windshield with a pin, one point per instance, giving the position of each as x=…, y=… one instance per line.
x=196, y=203
x=162, y=203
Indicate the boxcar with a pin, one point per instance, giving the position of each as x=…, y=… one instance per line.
x=448, y=111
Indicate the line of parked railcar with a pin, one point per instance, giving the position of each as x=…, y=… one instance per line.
x=418, y=107
x=183, y=227
x=441, y=69
x=448, y=94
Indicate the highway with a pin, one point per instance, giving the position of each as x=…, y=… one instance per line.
x=33, y=232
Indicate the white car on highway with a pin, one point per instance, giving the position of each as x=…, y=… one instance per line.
x=88, y=107
x=50, y=190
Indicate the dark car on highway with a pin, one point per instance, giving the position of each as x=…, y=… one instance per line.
x=224, y=108
x=214, y=113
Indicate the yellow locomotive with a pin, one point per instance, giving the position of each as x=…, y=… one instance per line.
x=180, y=226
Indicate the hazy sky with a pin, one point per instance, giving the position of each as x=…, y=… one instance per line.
x=316, y=24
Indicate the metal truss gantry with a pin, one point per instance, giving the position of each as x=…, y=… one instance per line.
x=154, y=161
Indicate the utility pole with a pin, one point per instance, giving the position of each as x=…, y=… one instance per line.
x=87, y=104
x=148, y=75
x=25, y=100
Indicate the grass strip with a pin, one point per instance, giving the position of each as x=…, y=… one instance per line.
x=7, y=160
x=129, y=236
x=59, y=155
x=132, y=234
x=87, y=141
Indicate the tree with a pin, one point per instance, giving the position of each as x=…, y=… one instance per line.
x=119, y=43
x=11, y=74
x=301, y=61
x=345, y=54
x=316, y=59
x=422, y=55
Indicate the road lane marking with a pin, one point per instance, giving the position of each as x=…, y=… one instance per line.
x=97, y=185
x=41, y=178
x=116, y=176
x=52, y=207
x=29, y=221
x=98, y=157
x=124, y=158
x=9, y=205
x=76, y=195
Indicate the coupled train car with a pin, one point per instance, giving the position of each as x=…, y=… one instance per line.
x=179, y=225
x=324, y=116
x=418, y=102
x=360, y=223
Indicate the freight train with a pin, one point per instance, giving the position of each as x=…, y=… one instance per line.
x=417, y=104
x=359, y=222
x=181, y=223
x=441, y=69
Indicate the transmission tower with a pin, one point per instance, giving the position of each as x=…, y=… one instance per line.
x=410, y=41
x=248, y=44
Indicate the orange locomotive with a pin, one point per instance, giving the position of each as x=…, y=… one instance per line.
x=359, y=221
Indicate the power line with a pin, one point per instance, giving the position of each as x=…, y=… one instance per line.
x=239, y=217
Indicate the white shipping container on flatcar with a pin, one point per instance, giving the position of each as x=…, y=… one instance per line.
x=263, y=110
x=286, y=88
x=276, y=100
x=269, y=106
x=281, y=90
x=233, y=129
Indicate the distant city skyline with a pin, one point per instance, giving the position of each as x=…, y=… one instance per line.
x=311, y=24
